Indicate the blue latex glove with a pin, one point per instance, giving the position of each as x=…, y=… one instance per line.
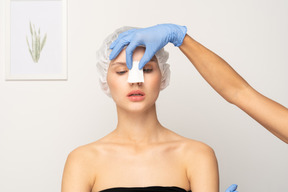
x=153, y=38
x=232, y=188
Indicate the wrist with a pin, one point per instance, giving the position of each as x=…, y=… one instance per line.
x=177, y=35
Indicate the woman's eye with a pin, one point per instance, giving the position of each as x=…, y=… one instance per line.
x=147, y=70
x=121, y=72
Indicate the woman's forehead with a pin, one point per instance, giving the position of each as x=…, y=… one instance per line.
x=137, y=55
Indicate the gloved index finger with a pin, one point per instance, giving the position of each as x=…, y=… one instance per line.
x=120, y=36
x=113, y=44
x=118, y=48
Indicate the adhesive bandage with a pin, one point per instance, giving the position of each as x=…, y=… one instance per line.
x=135, y=75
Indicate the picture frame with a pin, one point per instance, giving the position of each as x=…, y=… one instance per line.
x=36, y=39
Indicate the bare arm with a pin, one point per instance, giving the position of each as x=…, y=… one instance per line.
x=77, y=175
x=233, y=88
x=203, y=170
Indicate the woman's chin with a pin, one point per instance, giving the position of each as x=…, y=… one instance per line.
x=136, y=109
x=139, y=107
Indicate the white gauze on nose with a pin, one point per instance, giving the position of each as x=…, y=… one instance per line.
x=135, y=75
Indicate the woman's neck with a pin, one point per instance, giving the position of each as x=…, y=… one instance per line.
x=138, y=127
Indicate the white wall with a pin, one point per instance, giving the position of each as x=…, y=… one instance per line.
x=42, y=121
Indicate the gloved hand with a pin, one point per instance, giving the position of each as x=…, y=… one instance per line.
x=232, y=188
x=153, y=38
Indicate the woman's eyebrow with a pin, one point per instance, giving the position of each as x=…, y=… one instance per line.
x=124, y=63
x=152, y=61
x=121, y=63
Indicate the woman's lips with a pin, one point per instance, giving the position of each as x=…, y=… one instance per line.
x=136, y=95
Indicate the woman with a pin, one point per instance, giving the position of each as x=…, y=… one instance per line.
x=140, y=154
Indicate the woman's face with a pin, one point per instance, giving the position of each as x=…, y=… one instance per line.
x=135, y=97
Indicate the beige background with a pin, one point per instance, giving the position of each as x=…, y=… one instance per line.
x=42, y=121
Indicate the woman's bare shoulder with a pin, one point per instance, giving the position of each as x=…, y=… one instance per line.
x=192, y=148
x=89, y=150
x=200, y=163
x=83, y=161
x=197, y=154
x=197, y=146
x=190, y=144
x=79, y=168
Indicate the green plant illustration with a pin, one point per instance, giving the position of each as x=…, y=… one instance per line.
x=37, y=44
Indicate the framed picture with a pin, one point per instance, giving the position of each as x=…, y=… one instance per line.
x=36, y=39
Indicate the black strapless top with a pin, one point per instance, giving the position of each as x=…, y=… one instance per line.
x=145, y=189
